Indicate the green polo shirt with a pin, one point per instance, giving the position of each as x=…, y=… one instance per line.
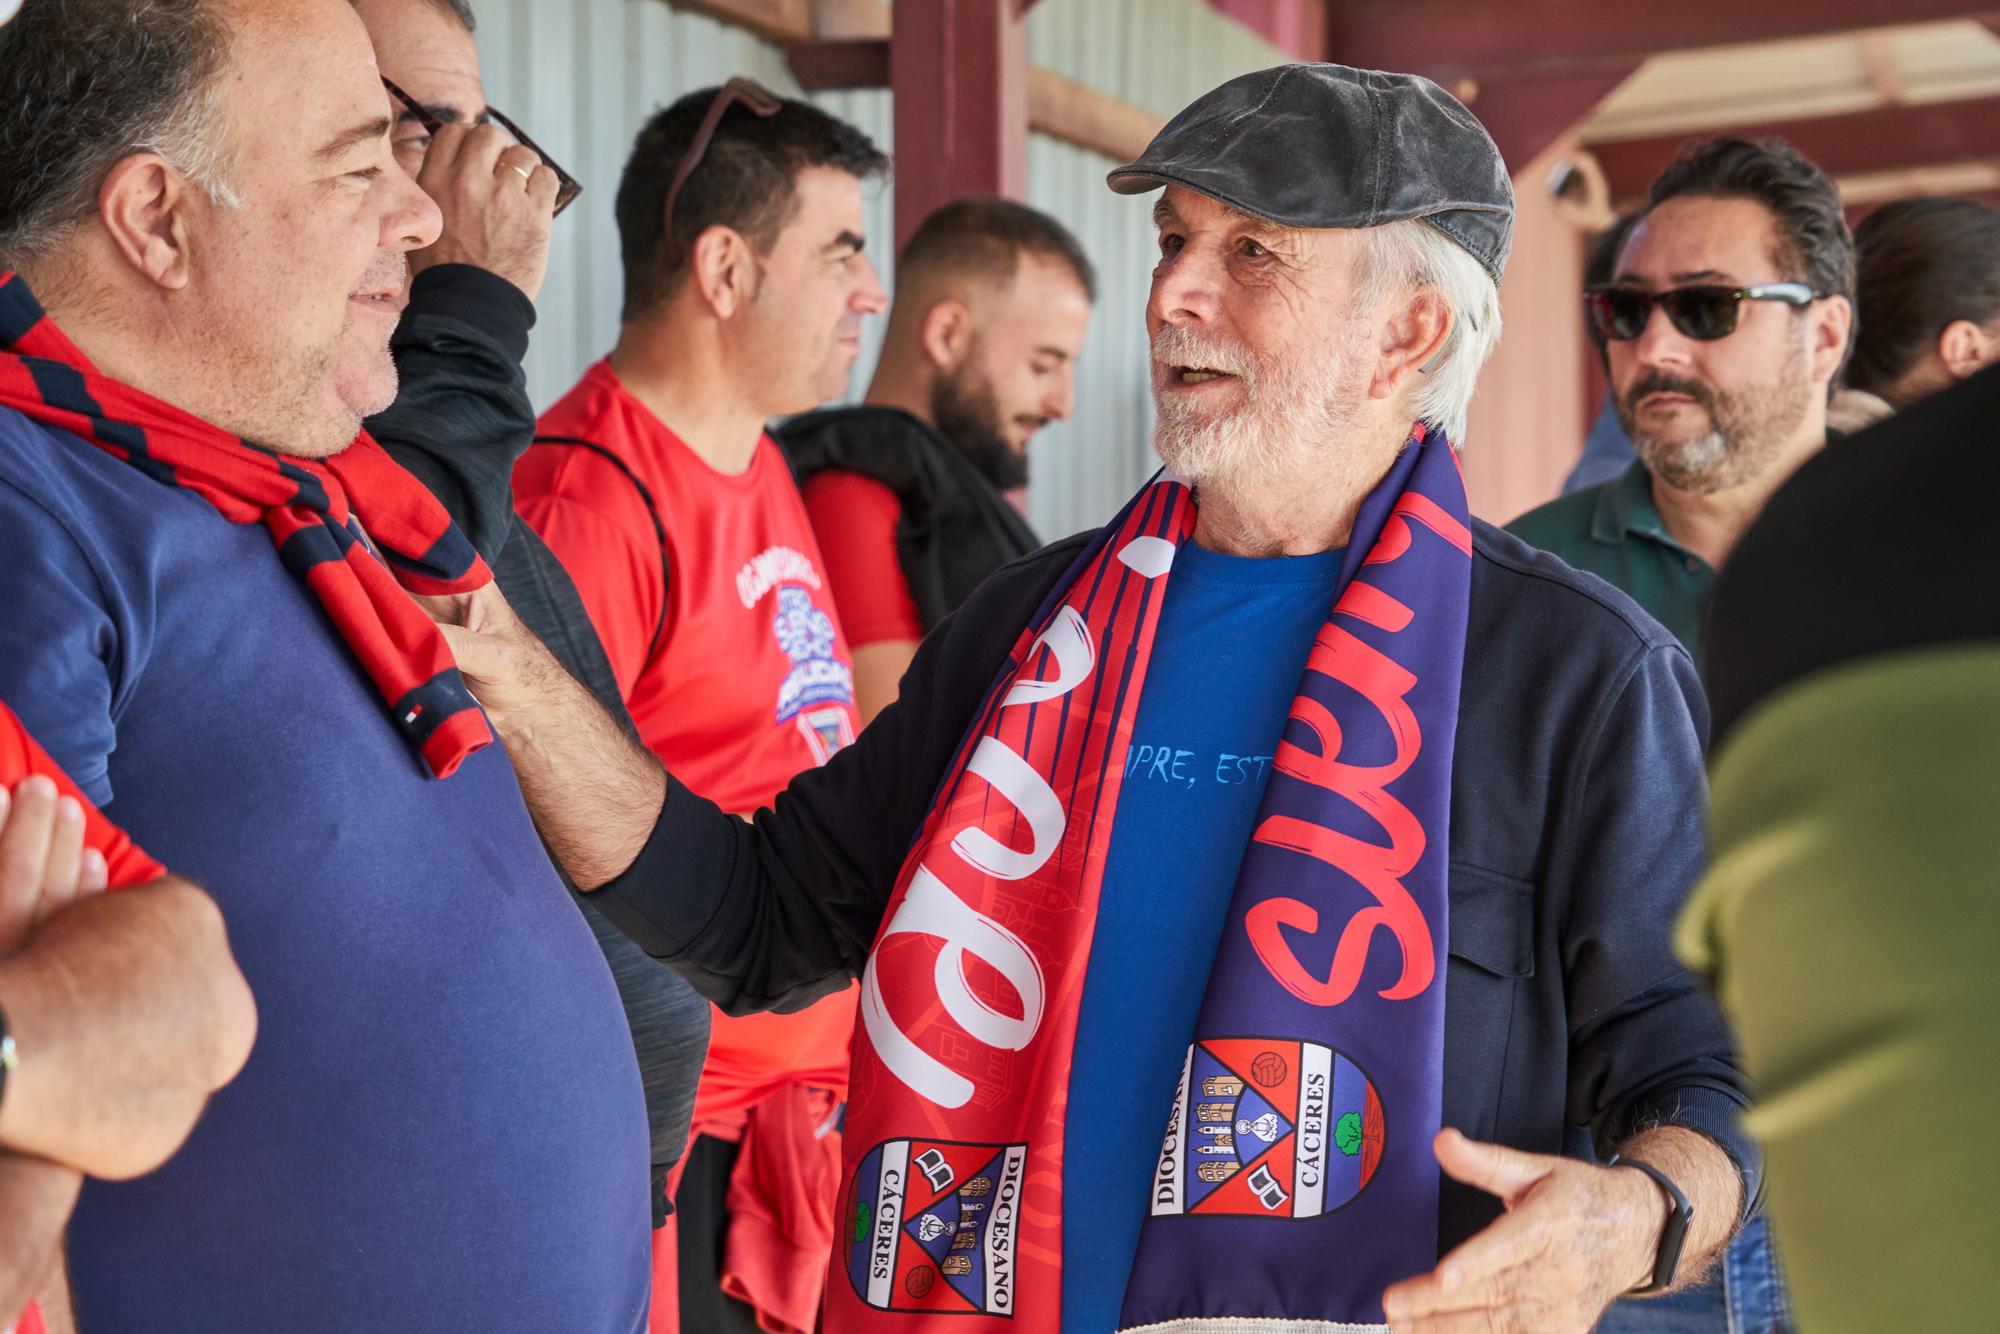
x=1614, y=531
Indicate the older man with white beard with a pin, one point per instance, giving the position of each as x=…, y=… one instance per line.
x=1247, y=895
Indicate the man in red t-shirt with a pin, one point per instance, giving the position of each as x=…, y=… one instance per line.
x=679, y=522
x=913, y=493
x=118, y=1015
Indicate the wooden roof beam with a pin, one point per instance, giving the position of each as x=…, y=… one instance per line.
x=1855, y=144
x=1448, y=39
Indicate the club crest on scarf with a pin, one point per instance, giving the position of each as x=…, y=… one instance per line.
x=1269, y=1128
x=931, y=1226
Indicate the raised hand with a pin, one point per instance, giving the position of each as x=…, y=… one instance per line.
x=498, y=200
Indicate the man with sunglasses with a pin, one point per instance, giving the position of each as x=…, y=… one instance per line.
x=1724, y=327
x=740, y=216
x=462, y=418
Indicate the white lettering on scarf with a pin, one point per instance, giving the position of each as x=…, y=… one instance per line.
x=930, y=908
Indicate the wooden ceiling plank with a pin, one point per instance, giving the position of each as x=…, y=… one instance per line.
x=1450, y=38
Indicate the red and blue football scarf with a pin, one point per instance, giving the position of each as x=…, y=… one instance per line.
x=1296, y=1180
x=314, y=510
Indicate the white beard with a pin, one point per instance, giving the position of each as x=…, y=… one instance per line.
x=1289, y=427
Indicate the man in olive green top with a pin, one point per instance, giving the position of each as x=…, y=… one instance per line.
x=1849, y=917
x=1724, y=327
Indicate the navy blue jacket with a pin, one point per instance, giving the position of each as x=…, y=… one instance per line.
x=1578, y=801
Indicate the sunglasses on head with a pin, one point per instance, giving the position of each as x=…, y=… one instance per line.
x=567, y=186
x=757, y=99
x=1704, y=312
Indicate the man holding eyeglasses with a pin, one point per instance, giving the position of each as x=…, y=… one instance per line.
x=462, y=418
x=1725, y=326
x=746, y=283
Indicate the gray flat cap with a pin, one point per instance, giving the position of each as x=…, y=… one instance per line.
x=1329, y=146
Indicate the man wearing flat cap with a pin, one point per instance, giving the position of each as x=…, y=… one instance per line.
x=1245, y=896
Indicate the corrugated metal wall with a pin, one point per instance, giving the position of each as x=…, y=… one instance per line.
x=583, y=75
x=1157, y=54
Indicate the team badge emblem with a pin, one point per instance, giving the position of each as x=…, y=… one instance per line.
x=931, y=1226
x=1269, y=1127
x=805, y=635
x=827, y=731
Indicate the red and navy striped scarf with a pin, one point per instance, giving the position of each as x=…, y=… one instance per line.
x=314, y=509
x=1295, y=1179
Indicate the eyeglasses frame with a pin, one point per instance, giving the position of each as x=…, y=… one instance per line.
x=1796, y=295
x=567, y=186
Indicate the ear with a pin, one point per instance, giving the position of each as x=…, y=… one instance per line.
x=1831, y=323
x=725, y=270
x=1964, y=348
x=946, y=334
x=1410, y=341
x=144, y=205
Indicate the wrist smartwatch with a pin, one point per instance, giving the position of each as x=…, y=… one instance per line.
x=1673, y=1235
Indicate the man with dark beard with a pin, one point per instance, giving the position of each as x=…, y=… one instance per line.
x=1725, y=329
x=908, y=492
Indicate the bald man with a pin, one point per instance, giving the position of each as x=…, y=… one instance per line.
x=913, y=495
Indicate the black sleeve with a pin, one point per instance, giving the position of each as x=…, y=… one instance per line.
x=461, y=416
x=773, y=913
x=1845, y=560
x=1648, y=1044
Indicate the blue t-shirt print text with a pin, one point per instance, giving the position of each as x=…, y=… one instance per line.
x=1148, y=762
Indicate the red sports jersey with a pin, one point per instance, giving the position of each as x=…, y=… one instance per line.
x=855, y=519
x=20, y=757
x=750, y=680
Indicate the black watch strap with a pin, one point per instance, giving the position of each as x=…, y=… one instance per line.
x=6, y=1054
x=1673, y=1236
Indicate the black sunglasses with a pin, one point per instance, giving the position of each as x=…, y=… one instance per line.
x=567, y=186
x=757, y=99
x=1705, y=312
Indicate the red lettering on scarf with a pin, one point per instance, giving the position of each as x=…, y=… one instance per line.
x=1379, y=869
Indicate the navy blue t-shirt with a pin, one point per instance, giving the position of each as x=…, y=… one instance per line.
x=441, y=1125
x=1227, y=660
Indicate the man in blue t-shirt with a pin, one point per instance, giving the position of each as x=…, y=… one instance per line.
x=1330, y=242
x=441, y=1123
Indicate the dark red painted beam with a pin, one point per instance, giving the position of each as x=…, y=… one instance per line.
x=1856, y=212
x=1855, y=144
x=959, y=73
x=1525, y=116
x=1452, y=38
x=824, y=66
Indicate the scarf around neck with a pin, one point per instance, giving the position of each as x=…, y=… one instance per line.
x=314, y=510
x=1295, y=1179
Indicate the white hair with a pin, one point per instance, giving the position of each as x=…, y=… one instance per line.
x=192, y=140
x=1413, y=255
